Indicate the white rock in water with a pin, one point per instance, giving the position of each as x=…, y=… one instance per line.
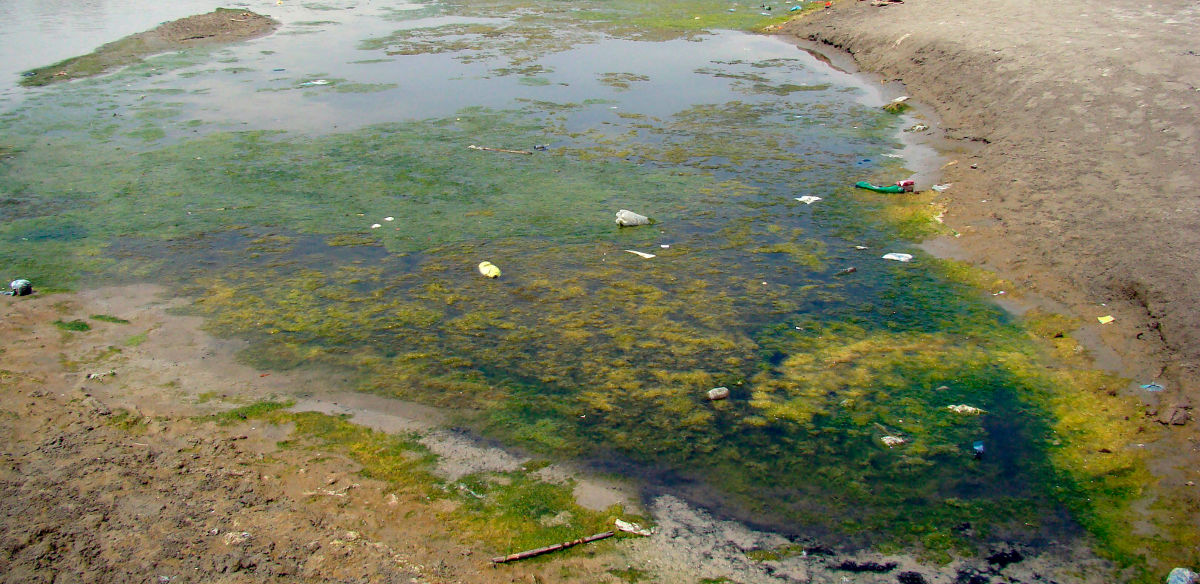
x=718, y=393
x=626, y=218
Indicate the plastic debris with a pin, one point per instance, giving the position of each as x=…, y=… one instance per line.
x=1182, y=576
x=916, y=128
x=977, y=447
x=633, y=528
x=898, y=257
x=846, y=271
x=20, y=287
x=641, y=253
x=965, y=409
x=890, y=189
x=315, y=82
x=389, y=218
x=891, y=441
x=627, y=218
x=1153, y=387
x=808, y=199
x=907, y=185
x=1105, y=319
x=505, y=150
x=541, y=147
x=376, y=226
x=896, y=105
x=718, y=393
x=489, y=269
x=940, y=188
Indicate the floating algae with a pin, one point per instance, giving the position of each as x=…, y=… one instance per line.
x=582, y=349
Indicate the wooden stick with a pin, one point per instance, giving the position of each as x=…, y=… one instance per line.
x=551, y=548
x=474, y=147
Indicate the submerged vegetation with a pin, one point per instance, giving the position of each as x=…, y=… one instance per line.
x=357, y=249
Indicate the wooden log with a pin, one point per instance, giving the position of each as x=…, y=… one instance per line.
x=474, y=147
x=551, y=548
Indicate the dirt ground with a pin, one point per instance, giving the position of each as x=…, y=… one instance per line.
x=1074, y=127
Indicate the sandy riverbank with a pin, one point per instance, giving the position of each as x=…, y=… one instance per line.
x=1073, y=125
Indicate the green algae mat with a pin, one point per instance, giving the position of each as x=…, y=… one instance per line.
x=327, y=206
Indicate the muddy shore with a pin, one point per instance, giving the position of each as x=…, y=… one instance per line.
x=1071, y=129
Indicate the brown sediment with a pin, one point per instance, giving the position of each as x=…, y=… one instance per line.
x=220, y=26
x=1073, y=127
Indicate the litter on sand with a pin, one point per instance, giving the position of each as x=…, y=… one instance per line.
x=940, y=188
x=489, y=269
x=633, y=528
x=627, y=218
x=898, y=257
x=19, y=287
x=552, y=548
x=965, y=410
x=1105, y=319
x=641, y=253
x=808, y=199
x=1153, y=387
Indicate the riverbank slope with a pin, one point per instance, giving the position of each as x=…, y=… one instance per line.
x=1076, y=175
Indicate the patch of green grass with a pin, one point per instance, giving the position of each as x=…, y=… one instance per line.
x=137, y=339
x=76, y=325
x=109, y=318
x=254, y=410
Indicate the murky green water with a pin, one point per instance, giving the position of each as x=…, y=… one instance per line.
x=339, y=224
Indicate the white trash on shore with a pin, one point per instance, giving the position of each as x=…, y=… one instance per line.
x=898, y=257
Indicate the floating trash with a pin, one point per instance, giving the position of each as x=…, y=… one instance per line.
x=808, y=199
x=489, y=269
x=1105, y=319
x=898, y=257
x=315, y=82
x=641, y=253
x=376, y=226
x=389, y=218
x=965, y=410
x=891, y=441
x=627, y=218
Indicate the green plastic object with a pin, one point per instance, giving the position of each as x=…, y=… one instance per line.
x=894, y=189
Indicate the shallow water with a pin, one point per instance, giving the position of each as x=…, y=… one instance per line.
x=340, y=224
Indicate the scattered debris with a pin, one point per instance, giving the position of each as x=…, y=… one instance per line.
x=20, y=287
x=627, y=218
x=891, y=441
x=489, y=269
x=541, y=147
x=236, y=537
x=808, y=199
x=896, y=105
x=916, y=128
x=1105, y=319
x=1175, y=415
x=315, y=82
x=633, y=528
x=977, y=447
x=898, y=257
x=1182, y=576
x=552, y=548
x=1153, y=387
x=718, y=393
x=109, y=373
x=641, y=253
x=907, y=185
x=505, y=150
x=846, y=271
x=965, y=409
x=940, y=188
x=376, y=226
x=890, y=189
x=389, y=218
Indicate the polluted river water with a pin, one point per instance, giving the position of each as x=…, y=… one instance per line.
x=315, y=192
